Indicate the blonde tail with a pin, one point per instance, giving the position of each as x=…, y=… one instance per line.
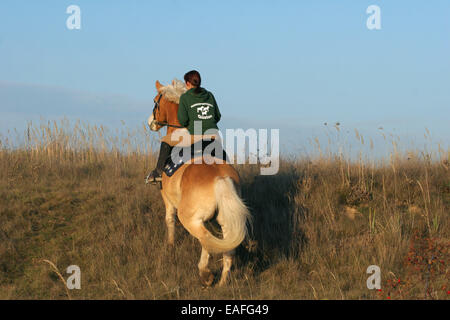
x=233, y=214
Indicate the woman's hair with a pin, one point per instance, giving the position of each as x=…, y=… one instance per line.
x=194, y=78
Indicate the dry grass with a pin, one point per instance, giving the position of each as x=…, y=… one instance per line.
x=75, y=195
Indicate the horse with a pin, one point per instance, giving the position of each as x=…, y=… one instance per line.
x=198, y=192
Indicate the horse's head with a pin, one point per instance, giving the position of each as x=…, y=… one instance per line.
x=158, y=118
x=166, y=105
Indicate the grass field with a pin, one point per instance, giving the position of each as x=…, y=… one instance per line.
x=77, y=197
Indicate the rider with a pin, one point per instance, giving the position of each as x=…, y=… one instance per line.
x=196, y=104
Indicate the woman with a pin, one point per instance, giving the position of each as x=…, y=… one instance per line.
x=197, y=105
x=197, y=111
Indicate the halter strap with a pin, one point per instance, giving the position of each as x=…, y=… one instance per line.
x=156, y=107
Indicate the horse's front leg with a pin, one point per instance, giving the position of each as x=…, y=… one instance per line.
x=170, y=220
x=227, y=262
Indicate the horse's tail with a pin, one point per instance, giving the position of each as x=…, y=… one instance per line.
x=232, y=215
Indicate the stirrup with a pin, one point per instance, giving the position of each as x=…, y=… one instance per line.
x=152, y=179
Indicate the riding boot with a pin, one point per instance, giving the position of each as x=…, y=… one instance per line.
x=164, y=154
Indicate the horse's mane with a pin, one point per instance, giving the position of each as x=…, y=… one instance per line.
x=173, y=91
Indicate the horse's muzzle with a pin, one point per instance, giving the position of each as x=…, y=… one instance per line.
x=152, y=123
x=154, y=126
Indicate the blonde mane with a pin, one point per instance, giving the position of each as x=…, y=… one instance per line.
x=173, y=91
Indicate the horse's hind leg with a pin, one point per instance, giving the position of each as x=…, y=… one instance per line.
x=194, y=228
x=206, y=275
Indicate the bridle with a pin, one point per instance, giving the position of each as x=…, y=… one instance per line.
x=159, y=123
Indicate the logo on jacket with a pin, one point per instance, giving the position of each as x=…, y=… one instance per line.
x=203, y=110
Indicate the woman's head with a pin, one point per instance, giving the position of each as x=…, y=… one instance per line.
x=193, y=77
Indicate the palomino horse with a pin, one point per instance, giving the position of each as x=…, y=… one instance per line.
x=195, y=192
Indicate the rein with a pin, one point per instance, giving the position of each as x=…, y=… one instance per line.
x=159, y=123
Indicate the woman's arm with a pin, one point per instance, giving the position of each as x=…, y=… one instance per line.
x=217, y=114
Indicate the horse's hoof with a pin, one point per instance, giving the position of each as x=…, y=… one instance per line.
x=222, y=283
x=207, y=278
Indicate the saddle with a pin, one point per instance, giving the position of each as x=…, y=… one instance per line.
x=181, y=155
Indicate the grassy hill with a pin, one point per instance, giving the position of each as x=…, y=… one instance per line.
x=318, y=225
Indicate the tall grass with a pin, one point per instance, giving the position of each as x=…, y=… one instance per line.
x=74, y=194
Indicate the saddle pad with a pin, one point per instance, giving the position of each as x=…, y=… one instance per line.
x=195, y=150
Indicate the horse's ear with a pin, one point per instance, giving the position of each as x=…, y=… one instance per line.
x=158, y=86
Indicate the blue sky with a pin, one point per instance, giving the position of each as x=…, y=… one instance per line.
x=292, y=65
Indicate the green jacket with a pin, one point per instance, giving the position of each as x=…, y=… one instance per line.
x=200, y=106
